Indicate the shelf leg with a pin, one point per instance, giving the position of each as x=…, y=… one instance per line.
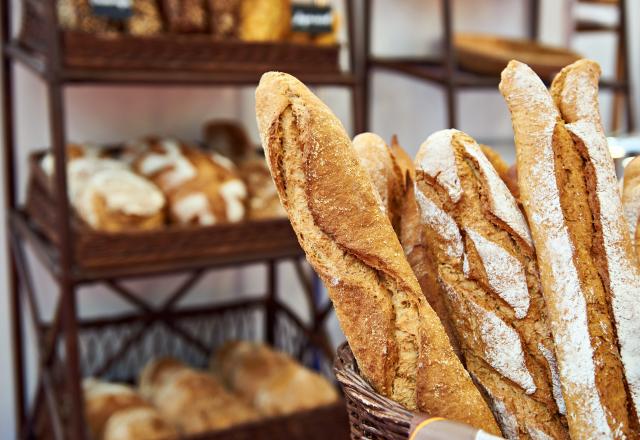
x=365, y=78
x=12, y=286
x=450, y=64
x=623, y=55
x=270, y=302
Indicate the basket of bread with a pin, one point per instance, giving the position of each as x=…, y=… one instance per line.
x=517, y=317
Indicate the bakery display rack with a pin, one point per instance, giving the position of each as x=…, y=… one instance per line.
x=70, y=347
x=445, y=71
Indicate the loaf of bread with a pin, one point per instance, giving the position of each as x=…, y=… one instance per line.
x=146, y=19
x=224, y=17
x=138, y=423
x=272, y=382
x=377, y=159
x=77, y=15
x=155, y=374
x=502, y=168
x=201, y=189
x=265, y=20
x=631, y=200
x=486, y=265
x=262, y=195
x=185, y=16
x=398, y=341
x=103, y=399
x=569, y=192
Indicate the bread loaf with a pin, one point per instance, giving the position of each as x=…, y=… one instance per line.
x=397, y=339
x=155, y=374
x=502, y=168
x=103, y=399
x=567, y=186
x=139, y=423
x=185, y=16
x=485, y=262
x=265, y=20
x=631, y=200
x=146, y=19
x=377, y=159
x=272, y=382
x=202, y=189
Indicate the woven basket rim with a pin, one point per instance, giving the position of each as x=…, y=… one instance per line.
x=381, y=408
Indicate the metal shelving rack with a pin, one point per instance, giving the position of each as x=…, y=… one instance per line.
x=62, y=333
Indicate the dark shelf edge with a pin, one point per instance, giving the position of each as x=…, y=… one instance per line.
x=47, y=254
x=37, y=64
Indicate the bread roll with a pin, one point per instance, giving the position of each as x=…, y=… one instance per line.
x=631, y=200
x=262, y=195
x=568, y=189
x=155, y=374
x=377, y=159
x=265, y=20
x=271, y=381
x=224, y=17
x=196, y=402
x=397, y=339
x=486, y=265
x=103, y=399
x=139, y=423
x=185, y=16
x=202, y=189
x=146, y=19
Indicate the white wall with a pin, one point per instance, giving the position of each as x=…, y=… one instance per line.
x=411, y=109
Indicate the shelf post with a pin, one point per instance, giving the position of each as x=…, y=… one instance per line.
x=55, y=83
x=270, y=302
x=357, y=59
x=365, y=65
x=13, y=287
x=450, y=64
x=623, y=57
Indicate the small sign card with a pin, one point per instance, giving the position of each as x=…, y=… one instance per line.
x=114, y=9
x=311, y=19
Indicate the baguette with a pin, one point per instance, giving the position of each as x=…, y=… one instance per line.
x=631, y=200
x=398, y=341
x=565, y=177
x=485, y=262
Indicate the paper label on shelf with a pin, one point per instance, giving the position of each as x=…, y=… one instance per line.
x=312, y=19
x=114, y=9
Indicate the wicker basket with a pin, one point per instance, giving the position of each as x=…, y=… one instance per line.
x=196, y=52
x=371, y=415
x=117, y=348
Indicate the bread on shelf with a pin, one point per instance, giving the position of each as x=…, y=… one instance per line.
x=265, y=20
x=631, y=200
x=397, y=339
x=589, y=275
x=138, y=423
x=271, y=381
x=185, y=16
x=146, y=19
x=201, y=189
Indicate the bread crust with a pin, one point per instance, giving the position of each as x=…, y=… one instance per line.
x=631, y=200
x=554, y=196
x=485, y=263
x=575, y=91
x=398, y=341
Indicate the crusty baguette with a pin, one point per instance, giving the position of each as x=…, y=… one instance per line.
x=486, y=264
x=377, y=159
x=397, y=339
x=575, y=91
x=503, y=169
x=631, y=200
x=555, y=191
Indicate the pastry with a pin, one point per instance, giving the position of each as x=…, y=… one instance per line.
x=397, y=339
x=272, y=382
x=201, y=189
x=265, y=20
x=138, y=423
x=631, y=200
x=485, y=262
x=569, y=192
x=103, y=399
x=185, y=16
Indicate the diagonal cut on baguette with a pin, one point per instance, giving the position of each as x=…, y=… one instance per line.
x=567, y=187
x=397, y=339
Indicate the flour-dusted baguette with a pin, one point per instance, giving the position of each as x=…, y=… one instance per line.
x=397, y=339
x=377, y=159
x=486, y=264
x=631, y=200
x=575, y=91
x=560, y=176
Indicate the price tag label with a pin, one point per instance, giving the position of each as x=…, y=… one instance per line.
x=115, y=9
x=311, y=19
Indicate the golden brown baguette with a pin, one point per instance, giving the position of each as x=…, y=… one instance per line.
x=631, y=200
x=377, y=159
x=506, y=173
x=271, y=381
x=485, y=262
x=559, y=198
x=398, y=341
